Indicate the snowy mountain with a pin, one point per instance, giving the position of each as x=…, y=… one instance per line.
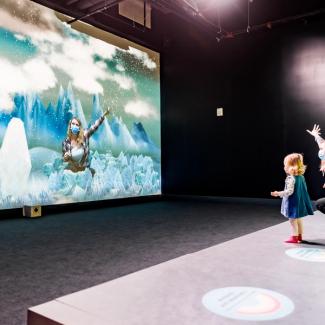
x=143, y=141
x=47, y=126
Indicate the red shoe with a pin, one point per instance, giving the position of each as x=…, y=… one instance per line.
x=300, y=237
x=293, y=240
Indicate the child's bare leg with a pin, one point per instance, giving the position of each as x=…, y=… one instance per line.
x=294, y=237
x=300, y=228
x=294, y=226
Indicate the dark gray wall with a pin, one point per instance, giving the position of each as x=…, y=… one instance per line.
x=268, y=104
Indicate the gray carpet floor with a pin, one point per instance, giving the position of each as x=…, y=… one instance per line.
x=262, y=278
x=58, y=254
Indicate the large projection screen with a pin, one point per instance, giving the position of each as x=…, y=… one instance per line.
x=56, y=83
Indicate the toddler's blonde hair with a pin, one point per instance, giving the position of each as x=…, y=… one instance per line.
x=294, y=164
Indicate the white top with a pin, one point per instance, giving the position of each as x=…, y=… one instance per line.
x=77, y=154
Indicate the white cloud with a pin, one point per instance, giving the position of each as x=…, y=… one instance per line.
x=143, y=57
x=20, y=37
x=120, y=67
x=83, y=72
x=123, y=81
x=39, y=75
x=36, y=33
x=6, y=102
x=32, y=76
x=140, y=108
x=72, y=56
x=77, y=50
x=76, y=60
x=103, y=49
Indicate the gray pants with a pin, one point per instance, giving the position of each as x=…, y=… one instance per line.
x=320, y=205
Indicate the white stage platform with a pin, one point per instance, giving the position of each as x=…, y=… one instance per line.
x=172, y=292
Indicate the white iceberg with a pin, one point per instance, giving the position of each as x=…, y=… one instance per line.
x=15, y=162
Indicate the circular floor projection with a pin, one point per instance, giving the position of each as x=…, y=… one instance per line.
x=307, y=254
x=247, y=303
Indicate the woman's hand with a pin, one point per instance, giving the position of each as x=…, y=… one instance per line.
x=275, y=193
x=315, y=131
x=106, y=113
x=322, y=167
x=66, y=156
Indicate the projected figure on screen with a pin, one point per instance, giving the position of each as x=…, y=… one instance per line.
x=315, y=132
x=75, y=148
x=296, y=203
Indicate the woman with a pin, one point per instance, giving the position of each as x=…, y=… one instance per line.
x=315, y=132
x=75, y=148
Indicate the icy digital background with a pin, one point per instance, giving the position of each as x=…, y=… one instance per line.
x=131, y=167
x=51, y=72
